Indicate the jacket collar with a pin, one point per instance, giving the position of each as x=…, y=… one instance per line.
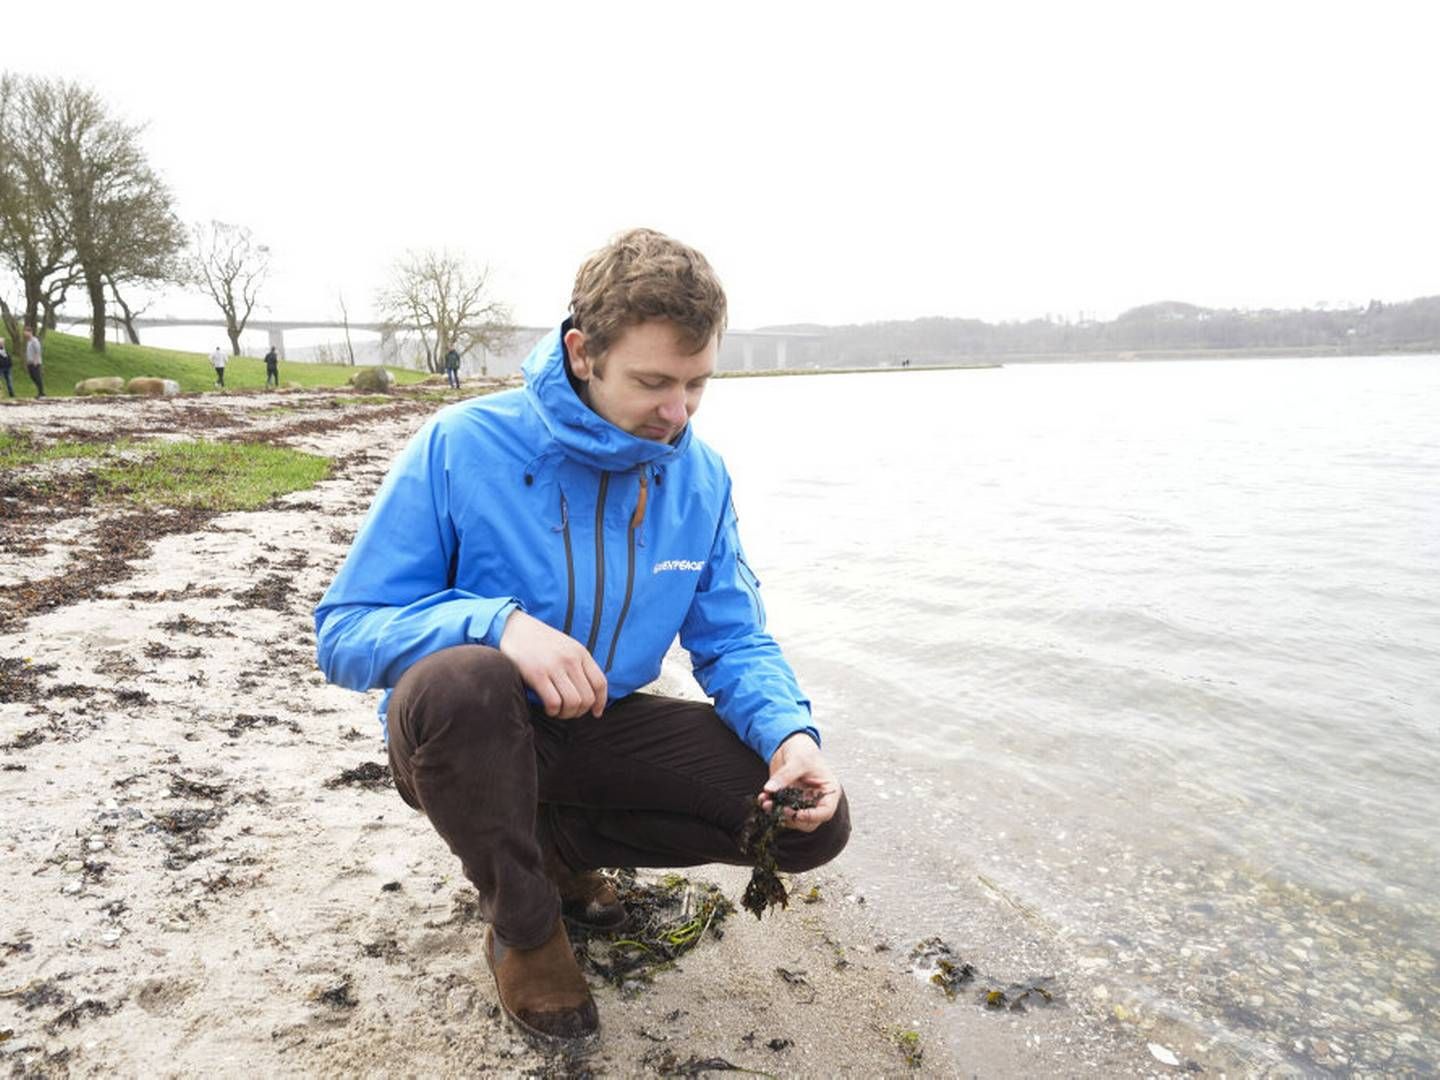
x=583, y=433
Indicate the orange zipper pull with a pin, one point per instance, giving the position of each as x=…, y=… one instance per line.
x=639, y=515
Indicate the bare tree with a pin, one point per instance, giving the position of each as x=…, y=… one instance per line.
x=345, y=319
x=95, y=189
x=127, y=315
x=231, y=265
x=444, y=300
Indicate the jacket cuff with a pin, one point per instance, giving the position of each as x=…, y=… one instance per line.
x=496, y=626
x=771, y=743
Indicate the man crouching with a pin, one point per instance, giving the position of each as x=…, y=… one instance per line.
x=524, y=568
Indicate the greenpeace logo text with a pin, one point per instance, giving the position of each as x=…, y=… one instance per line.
x=678, y=564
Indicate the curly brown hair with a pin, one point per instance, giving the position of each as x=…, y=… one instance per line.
x=641, y=275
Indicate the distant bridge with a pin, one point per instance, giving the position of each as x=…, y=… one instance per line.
x=741, y=350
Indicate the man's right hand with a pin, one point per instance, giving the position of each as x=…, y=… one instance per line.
x=558, y=668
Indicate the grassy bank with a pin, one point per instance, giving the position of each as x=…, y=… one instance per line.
x=68, y=359
x=214, y=476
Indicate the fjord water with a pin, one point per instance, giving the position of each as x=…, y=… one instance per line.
x=1149, y=650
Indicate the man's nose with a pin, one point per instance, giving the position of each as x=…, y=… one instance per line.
x=672, y=409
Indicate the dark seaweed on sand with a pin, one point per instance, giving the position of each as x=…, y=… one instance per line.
x=951, y=973
x=667, y=919
x=668, y=1063
x=757, y=839
x=368, y=774
x=1017, y=996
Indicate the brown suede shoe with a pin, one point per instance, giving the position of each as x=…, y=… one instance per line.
x=542, y=991
x=588, y=898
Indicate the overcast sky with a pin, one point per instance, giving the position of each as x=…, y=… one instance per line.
x=836, y=162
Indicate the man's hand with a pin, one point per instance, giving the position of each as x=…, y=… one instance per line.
x=562, y=673
x=799, y=763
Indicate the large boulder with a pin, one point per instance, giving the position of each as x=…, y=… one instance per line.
x=106, y=384
x=372, y=380
x=150, y=387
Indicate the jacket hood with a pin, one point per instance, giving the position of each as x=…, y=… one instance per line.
x=583, y=433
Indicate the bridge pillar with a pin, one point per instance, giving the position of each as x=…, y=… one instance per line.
x=277, y=342
x=780, y=354
x=748, y=348
x=388, y=352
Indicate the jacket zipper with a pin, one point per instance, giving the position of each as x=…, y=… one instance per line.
x=569, y=564
x=635, y=521
x=746, y=578
x=599, y=562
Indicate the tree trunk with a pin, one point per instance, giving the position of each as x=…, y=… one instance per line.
x=127, y=317
x=233, y=333
x=12, y=328
x=95, y=286
x=32, y=304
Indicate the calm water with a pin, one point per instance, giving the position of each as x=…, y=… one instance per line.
x=1156, y=646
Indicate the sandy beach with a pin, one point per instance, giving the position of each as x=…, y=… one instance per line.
x=193, y=886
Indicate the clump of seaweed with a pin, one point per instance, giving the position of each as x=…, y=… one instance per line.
x=950, y=972
x=1016, y=996
x=757, y=841
x=368, y=774
x=273, y=593
x=19, y=679
x=82, y=1010
x=339, y=996
x=908, y=1041
x=667, y=919
x=668, y=1063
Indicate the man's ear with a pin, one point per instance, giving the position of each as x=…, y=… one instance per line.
x=581, y=364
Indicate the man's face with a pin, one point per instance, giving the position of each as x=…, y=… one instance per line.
x=646, y=384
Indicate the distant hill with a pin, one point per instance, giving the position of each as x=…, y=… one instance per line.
x=1166, y=326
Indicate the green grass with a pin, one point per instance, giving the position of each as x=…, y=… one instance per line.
x=220, y=476
x=17, y=448
x=68, y=359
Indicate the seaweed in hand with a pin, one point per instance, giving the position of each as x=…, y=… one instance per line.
x=757, y=841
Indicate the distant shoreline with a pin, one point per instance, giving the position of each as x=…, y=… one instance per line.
x=770, y=372
x=1122, y=357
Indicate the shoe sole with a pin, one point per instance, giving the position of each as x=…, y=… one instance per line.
x=541, y=1040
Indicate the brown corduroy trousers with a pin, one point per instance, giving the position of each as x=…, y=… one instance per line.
x=654, y=781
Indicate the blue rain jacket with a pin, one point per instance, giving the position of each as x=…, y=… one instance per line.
x=530, y=499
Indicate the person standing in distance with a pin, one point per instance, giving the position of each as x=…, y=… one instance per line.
x=6, y=363
x=452, y=368
x=524, y=568
x=217, y=361
x=272, y=369
x=34, y=361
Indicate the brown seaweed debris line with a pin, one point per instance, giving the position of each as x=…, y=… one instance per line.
x=118, y=548
x=272, y=593
x=757, y=841
x=20, y=679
